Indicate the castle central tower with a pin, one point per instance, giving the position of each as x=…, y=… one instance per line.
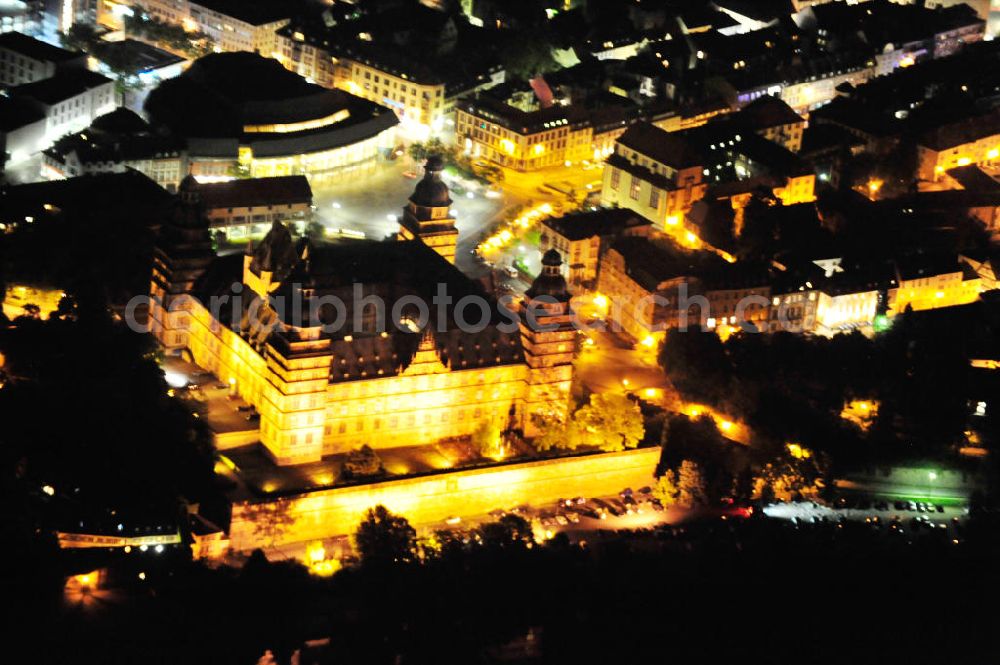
x=428, y=214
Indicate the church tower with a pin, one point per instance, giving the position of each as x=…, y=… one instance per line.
x=428, y=214
x=549, y=341
x=182, y=254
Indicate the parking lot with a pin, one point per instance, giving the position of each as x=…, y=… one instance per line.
x=893, y=516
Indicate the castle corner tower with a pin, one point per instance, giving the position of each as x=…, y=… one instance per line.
x=428, y=214
x=182, y=254
x=549, y=341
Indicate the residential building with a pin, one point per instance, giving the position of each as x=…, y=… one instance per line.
x=932, y=282
x=24, y=59
x=68, y=102
x=421, y=87
x=652, y=286
x=975, y=140
x=248, y=207
x=773, y=119
x=22, y=130
x=660, y=174
x=231, y=25
x=582, y=237
x=236, y=25
x=654, y=173
x=491, y=129
x=116, y=142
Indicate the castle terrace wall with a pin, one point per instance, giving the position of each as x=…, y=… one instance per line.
x=429, y=499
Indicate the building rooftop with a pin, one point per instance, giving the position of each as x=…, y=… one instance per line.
x=650, y=264
x=36, y=49
x=604, y=222
x=973, y=178
x=61, y=87
x=670, y=148
x=223, y=94
x=254, y=12
x=965, y=131
x=767, y=111
x=18, y=112
x=146, y=57
x=250, y=192
x=88, y=194
x=524, y=122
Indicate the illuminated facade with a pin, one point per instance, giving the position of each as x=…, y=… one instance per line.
x=972, y=141
x=932, y=288
x=642, y=282
x=231, y=25
x=430, y=499
x=323, y=388
x=653, y=173
x=660, y=174
x=817, y=311
x=420, y=98
x=530, y=140
x=580, y=236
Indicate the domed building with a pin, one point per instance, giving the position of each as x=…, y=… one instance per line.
x=241, y=110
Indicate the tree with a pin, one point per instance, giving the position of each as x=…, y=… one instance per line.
x=90, y=413
x=488, y=439
x=695, y=362
x=384, y=539
x=691, y=485
x=362, y=463
x=315, y=231
x=419, y=152
x=666, y=490
x=528, y=55
x=80, y=37
x=271, y=521
x=610, y=421
x=508, y=531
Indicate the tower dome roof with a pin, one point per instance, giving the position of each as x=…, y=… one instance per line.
x=550, y=282
x=431, y=192
x=552, y=258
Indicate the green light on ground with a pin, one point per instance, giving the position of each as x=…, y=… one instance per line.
x=881, y=323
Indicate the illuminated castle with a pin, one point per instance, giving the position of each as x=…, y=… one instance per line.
x=328, y=378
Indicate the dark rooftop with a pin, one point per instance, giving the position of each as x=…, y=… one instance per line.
x=18, y=112
x=254, y=12
x=254, y=192
x=36, y=49
x=670, y=148
x=146, y=57
x=962, y=132
x=90, y=194
x=767, y=111
x=605, y=222
x=61, y=87
x=649, y=264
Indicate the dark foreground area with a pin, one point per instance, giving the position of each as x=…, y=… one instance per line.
x=754, y=590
